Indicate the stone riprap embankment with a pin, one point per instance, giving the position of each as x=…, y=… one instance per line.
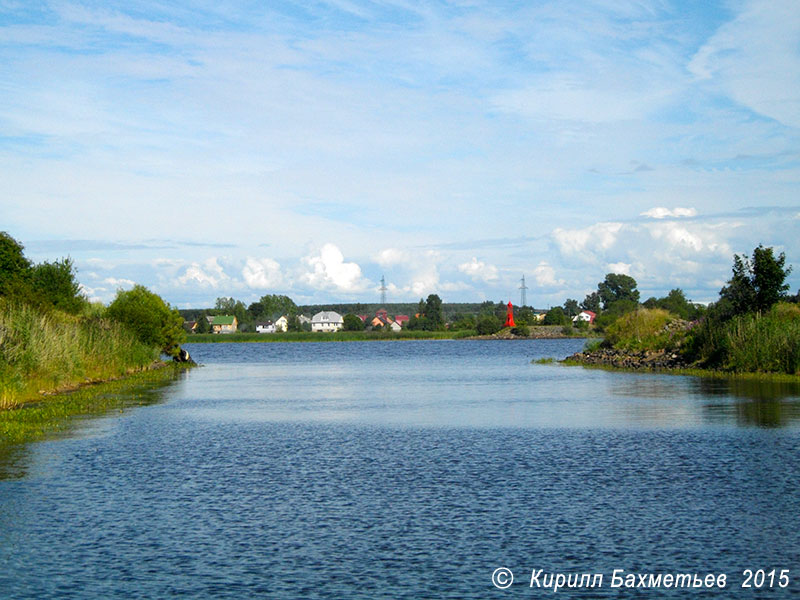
x=620, y=359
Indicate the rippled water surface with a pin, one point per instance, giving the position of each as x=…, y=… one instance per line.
x=407, y=470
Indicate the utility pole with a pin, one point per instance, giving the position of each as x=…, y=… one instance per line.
x=383, y=291
x=523, y=288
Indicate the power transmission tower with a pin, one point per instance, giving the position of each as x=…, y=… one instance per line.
x=383, y=290
x=523, y=288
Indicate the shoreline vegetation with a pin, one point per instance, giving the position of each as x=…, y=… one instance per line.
x=52, y=339
x=53, y=414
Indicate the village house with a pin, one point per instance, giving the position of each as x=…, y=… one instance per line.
x=327, y=320
x=265, y=327
x=584, y=315
x=282, y=323
x=224, y=324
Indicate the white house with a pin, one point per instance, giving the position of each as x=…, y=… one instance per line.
x=327, y=320
x=265, y=327
x=584, y=315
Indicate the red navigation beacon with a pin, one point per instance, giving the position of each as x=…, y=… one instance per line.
x=510, y=316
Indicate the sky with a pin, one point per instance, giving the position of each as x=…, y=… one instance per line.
x=234, y=148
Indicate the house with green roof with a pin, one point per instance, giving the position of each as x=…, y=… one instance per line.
x=224, y=324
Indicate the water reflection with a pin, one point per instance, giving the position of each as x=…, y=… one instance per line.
x=78, y=413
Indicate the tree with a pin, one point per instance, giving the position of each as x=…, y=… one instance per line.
x=757, y=283
x=256, y=310
x=433, y=312
x=55, y=283
x=556, y=316
x=276, y=305
x=617, y=286
x=353, y=323
x=14, y=267
x=571, y=307
x=150, y=318
x=591, y=302
x=488, y=324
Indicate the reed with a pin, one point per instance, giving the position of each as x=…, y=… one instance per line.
x=48, y=350
x=768, y=343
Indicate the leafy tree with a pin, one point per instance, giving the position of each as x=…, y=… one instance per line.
x=353, y=323
x=591, y=302
x=256, y=310
x=14, y=267
x=224, y=306
x=676, y=303
x=463, y=323
x=525, y=316
x=757, y=283
x=276, y=305
x=433, y=312
x=488, y=324
x=203, y=325
x=571, y=307
x=150, y=318
x=556, y=316
x=55, y=283
x=617, y=286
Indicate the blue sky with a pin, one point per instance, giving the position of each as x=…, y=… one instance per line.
x=212, y=149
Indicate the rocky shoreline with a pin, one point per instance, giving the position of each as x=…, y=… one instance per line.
x=645, y=360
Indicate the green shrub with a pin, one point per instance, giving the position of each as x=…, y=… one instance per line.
x=488, y=324
x=643, y=329
x=521, y=331
x=150, y=318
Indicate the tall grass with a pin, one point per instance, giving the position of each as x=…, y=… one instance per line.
x=643, y=329
x=49, y=350
x=767, y=343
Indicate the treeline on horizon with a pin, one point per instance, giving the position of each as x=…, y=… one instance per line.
x=52, y=337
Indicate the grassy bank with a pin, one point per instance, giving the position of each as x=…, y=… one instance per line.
x=35, y=420
x=752, y=345
x=49, y=350
x=338, y=336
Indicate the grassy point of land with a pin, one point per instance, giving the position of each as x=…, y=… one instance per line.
x=692, y=372
x=36, y=420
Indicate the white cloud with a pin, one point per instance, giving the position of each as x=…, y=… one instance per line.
x=331, y=272
x=390, y=257
x=600, y=236
x=262, y=273
x=209, y=274
x=620, y=267
x=545, y=275
x=478, y=270
x=660, y=212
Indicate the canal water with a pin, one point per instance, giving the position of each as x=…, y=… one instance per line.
x=415, y=469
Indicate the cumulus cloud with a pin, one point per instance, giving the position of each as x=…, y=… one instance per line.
x=330, y=271
x=600, y=236
x=209, y=273
x=545, y=275
x=620, y=268
x=391, y=257
x=478, y=270
x=660, y=212
x=262, y=273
